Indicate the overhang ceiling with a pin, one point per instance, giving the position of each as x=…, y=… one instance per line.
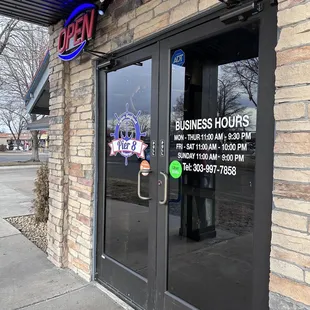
x=37, y=96
x=40, y=12
x=41, y=124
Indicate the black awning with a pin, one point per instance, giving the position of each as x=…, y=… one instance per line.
x=41, y=12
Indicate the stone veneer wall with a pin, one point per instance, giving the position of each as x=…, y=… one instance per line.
x=71, y=161
x=290, y=250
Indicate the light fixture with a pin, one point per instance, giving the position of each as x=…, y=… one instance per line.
x=104, y=4
x=100, y=11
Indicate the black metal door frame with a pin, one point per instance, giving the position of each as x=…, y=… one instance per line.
x=152, y=293
x=264, y=155
x=138, y=291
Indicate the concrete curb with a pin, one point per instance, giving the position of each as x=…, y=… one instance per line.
x=19, y=167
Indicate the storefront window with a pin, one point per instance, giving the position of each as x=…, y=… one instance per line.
x=212, y=136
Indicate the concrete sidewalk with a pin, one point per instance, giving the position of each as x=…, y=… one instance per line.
x=27, y=279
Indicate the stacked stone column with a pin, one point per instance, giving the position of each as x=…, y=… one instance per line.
x=290, y=250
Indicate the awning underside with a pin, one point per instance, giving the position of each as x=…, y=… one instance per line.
x=41, y=124
x=37, y=97
x=41, y=105
x=41, y=12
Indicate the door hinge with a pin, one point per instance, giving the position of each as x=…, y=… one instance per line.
x=242, y=13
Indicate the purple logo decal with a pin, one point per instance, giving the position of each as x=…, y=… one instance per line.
x=127, y=136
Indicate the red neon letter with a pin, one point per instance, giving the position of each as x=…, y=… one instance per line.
x=78, y=31
x=88, y=25
x=62, y=41
x=70, y=34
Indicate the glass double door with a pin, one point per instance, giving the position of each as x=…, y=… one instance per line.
x=185, y=169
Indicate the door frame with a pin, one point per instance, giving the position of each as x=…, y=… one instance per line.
x=129, y=285
x=187, y=32
x=264, y=154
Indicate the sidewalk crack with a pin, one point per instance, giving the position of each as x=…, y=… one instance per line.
x=15, y=234
x=51, y=298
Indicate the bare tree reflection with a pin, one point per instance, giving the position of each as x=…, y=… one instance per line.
x=235, y=80
x=177, y=113
x=244, y=75
x=228, y=102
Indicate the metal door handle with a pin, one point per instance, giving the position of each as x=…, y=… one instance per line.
x=163, y=202
x=139, y=184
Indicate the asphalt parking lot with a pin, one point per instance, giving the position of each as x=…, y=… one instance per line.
x=19, y=156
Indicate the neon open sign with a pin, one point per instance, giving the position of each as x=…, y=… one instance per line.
x=79, y=28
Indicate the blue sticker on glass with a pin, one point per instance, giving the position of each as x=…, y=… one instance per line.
x=127, y=136
x=178, y=58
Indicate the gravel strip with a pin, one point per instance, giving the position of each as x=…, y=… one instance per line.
x=36, y=233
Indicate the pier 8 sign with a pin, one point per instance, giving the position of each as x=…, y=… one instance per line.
x=79, y=28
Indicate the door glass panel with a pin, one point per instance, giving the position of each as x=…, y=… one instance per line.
x=128, y=139
x=212, y=135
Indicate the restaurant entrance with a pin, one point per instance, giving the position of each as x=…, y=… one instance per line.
x=185, y=168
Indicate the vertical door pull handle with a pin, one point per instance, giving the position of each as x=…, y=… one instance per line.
x=139, y=185
x=163, y=202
